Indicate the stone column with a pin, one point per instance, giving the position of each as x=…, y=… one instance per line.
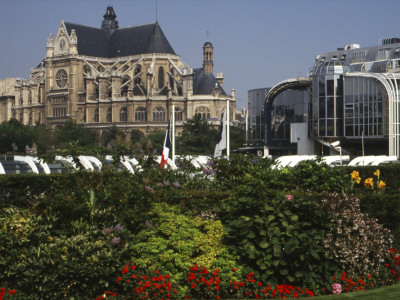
x=116, y=86
x=90, y=89
x=103, y=88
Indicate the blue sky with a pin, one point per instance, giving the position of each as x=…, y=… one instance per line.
x=257, y=43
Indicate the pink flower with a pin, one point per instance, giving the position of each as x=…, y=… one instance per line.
x=336, y=288
x=290, y=197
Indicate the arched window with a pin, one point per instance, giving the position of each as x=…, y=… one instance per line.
x=109, y=114
x=203, y=111
x=178, y=114
x=21, y=117
x=160, y=77
x=96, y=115
x=125, y=86
x=123, y=114
x=30, y=118
x=138, y=70
x=40, y=118
x=140, y=114
x=159, y=114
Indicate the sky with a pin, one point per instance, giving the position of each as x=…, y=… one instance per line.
x=257, y=43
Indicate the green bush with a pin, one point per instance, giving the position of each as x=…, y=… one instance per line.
x=172, y=242
x=277, y=235
x=42, y=264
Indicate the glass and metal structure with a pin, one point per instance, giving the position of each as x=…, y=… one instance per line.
x=351, y=96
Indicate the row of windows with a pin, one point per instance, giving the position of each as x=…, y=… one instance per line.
x=159, y=115
x=347, y=107
x=59, y=112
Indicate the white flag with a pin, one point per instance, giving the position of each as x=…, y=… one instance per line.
x=221, y=142
x=167, y=146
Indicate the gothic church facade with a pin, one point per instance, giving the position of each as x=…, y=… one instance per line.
x=128, y=77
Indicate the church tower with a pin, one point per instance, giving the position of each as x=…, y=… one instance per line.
x=109, y=23
x=208, y=63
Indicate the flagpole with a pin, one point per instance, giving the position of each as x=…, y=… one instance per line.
x=227, y=127
x=173, y=134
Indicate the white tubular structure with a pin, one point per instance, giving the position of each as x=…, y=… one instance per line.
x=384, y=159
x=134, y=163
x=93, y=161
x=66, y=160
x=2, y=171
x=362, y=160
x=85, y=162
x=291, y=160
x=333, y=160
x=29, y=161
x=44, y=165
x=123, y=162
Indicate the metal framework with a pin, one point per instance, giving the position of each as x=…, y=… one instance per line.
x=389, y=81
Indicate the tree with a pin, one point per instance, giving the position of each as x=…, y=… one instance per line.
x=44, y=137
x=14, y=133
x=136, y=136
x=114, y=136
x=197, y=137
x=154, y=141
x=72, y=132
x=237, y=137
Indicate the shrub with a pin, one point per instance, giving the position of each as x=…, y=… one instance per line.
x=278, y=236
x=38, y=262
x=357, y=243
x=172, y=242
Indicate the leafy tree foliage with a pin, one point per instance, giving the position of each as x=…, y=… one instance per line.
x=153, y=142
x=14, y=132
x=136, y=136
x=71, y=131
x=114, y=136
x=197, y=137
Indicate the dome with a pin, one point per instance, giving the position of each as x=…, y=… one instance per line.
x=207, y=44
x=332, y=66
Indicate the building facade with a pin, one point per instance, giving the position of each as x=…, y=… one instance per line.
x=275, y=118
x=128, y=77
x=351, y=98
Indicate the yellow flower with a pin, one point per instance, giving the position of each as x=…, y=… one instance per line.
x=377, y=173
x=381, y=184
x=355, y=177
x=369, y=182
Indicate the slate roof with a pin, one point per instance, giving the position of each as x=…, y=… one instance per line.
x=119, y=42
x=204, y=83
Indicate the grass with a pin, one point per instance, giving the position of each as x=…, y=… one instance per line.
x=387, y=293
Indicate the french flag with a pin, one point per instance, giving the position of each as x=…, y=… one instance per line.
x=167, y=146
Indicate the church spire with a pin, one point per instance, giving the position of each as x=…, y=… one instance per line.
x=208, y=63
x=109, y=21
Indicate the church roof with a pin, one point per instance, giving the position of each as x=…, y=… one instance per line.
x=118, y=42
x=204, y=83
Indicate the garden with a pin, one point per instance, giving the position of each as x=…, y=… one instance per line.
x=235, y=229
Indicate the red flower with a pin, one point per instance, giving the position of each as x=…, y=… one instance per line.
x=215, y=272
x=234, y=269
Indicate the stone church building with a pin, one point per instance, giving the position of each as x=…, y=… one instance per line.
x=127, y=77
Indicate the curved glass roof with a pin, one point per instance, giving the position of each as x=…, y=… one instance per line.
x=332, y=66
